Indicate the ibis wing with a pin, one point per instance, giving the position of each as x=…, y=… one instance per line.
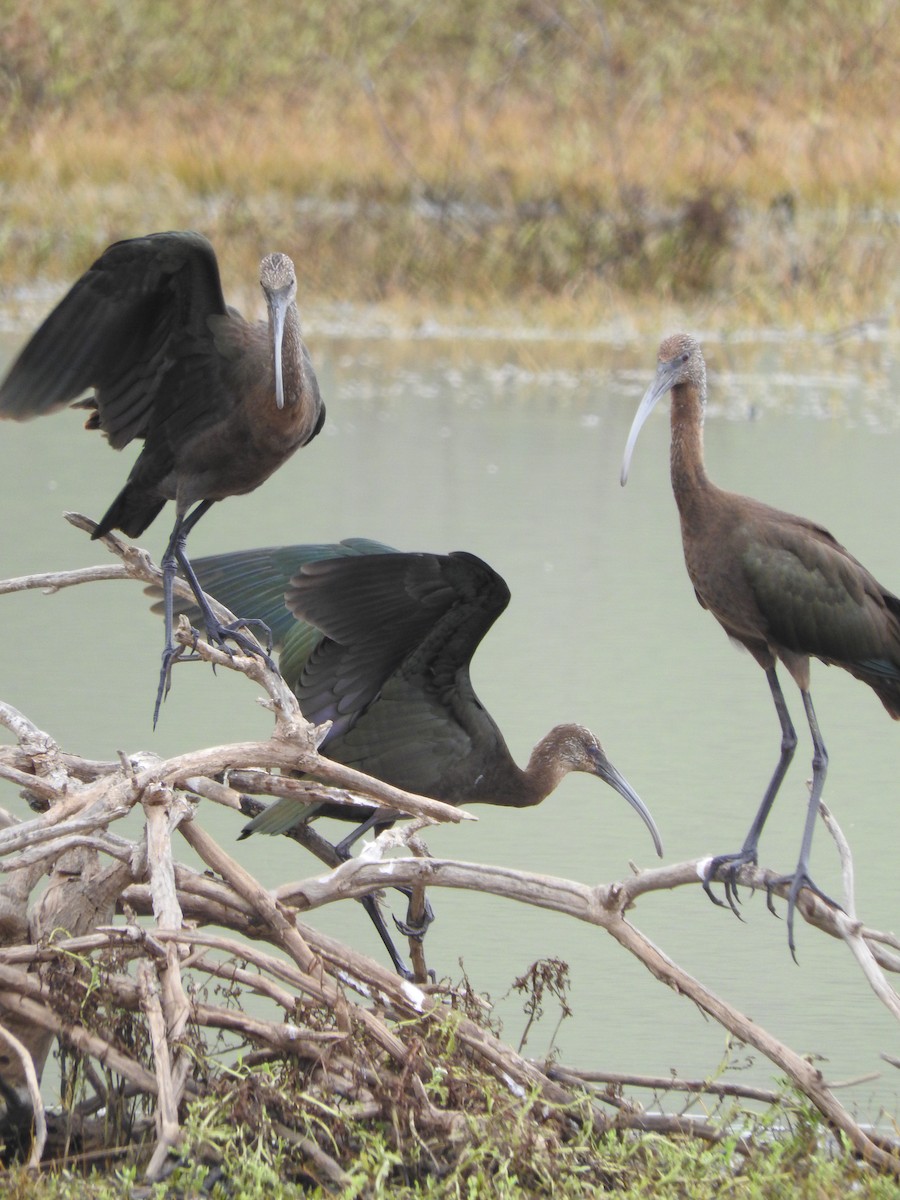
x=252, y=583
x=134, y=328
x=408, y=739
x=816, y=597
x=400, y=628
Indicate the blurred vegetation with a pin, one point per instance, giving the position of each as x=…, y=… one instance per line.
x=261, y=1133
x=575, y=157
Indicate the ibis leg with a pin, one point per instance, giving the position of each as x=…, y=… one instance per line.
x=801, y=877
x=169, y=570
x=730, y=864
x=408, y=927
x=379, y=816
x=217, y=632
x=332, y=856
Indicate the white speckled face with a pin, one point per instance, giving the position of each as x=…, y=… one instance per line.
x=278, y=281
x=276, y=273
x=680, y=360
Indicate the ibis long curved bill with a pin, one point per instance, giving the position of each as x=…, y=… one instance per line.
x=278, y=304
x=608, y=773
x=666, y=374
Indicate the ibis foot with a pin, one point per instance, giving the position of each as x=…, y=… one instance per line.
x=415, y=928
x=729, y=865
x=232, y=631
x=216, y=634
x=370, y=904
x=799, y=880
x=170, y=654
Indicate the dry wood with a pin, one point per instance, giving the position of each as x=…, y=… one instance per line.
x=336, y=1011
x=167, y=1127
x=663, y=1083
x=15, y=1000
x=605, y=906
x=26, y=1061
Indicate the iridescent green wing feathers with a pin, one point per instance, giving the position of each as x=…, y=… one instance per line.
x=252, y=583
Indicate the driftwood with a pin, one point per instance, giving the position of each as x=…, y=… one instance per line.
x=78, y=954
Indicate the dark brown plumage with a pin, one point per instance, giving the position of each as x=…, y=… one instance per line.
x=379, y=643
x=219, y=403
x=780, y=585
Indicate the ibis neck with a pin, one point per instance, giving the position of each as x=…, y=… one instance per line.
x=545, y=771
x=687, y=468
x=506, y=785
x=294, y=360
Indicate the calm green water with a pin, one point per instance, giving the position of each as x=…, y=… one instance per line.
x=512, y=450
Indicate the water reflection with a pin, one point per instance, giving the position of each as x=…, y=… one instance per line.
x=512, y=450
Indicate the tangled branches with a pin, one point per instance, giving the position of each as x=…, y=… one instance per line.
x=142, y=966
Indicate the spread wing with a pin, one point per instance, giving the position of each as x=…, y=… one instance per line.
x=401, y=630
x=252, y=584
x=135, y=329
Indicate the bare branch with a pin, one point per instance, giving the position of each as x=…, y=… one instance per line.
x=34, y=1093
x=603, y=906
x=313, y=985
x=52, y=581
x=14, y=1001
x=662, y=1083
x=167, y=1128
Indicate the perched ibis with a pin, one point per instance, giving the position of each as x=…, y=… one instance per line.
x=379, y=643
x=220, y=403
x=779, y=585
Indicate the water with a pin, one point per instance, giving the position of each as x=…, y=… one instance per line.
x=511, y=449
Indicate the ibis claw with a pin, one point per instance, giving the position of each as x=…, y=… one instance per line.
x=415, y=928
x=729, y=865
x=233, y=628
x=219, y=635
x=170, y=654
x=798, y=881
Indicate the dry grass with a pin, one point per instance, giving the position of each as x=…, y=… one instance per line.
x=625, y=156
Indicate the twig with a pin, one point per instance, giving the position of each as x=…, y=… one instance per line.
x=164, y=811
x=34, y=1094
x=284, y=1038
x=52, y=581
x=662, y=1083
x=168, y=1132
x=605, y=906
x=417, y=912
x=845, y=856
x=103, y=843
x=850, y=928
x=253, y=981
x=40, y=787
x=76, y=1035
x=323, y=1162
x=34, y=740
x=675, y=1126
x=287, y=935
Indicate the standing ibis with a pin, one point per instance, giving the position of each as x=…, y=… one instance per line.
x=779, y=585
x=379, y=643
x=219, y=403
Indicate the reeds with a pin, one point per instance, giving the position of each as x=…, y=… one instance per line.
x=509, y=155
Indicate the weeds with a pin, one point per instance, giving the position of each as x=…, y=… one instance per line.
x=252, y=1140
x=483, y=154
